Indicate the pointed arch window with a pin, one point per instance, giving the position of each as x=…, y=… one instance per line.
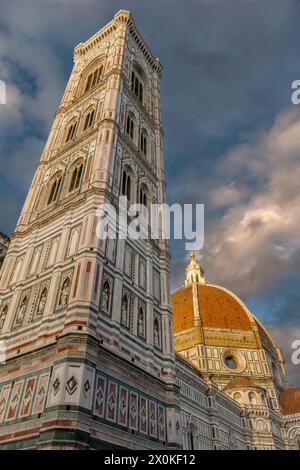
x=55, y=187
x=71, y=131
x=89, y=119
x=130, y=126
x=137, y=86
x=143, y=142
x=76, y=177
x=126, y=185
x=94, y=78
x=143, y=197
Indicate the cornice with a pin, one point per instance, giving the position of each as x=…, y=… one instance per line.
x=121, y=17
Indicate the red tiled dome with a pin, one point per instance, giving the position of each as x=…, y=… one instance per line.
x=289, y=401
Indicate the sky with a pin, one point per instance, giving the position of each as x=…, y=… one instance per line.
x=232, y=134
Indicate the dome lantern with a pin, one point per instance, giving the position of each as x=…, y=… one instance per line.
x=194, y=272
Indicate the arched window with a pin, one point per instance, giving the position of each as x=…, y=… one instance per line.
x=143, y=142
x=143, y=197
x=71, y=131
x=65, y=292
x=76, y=177
x=3, y=316
x=54, y=190
x=106, y=295
x=89, y=119
x=42, y=302
x=126, y=185
x=93, y=78
x=261, y=425
x=130, y=126
x=252, y=398
x=137, y=86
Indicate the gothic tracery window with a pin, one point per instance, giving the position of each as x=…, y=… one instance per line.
x=89, y=119
x=55, y=187
x=71, y=131
x=130, y=126
x=143, y=142
x=137, y=86
x=143, y=197
x=126, y=185
x=93, y=78
x=76, y=177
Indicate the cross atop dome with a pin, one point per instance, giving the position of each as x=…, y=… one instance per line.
x=194, y=272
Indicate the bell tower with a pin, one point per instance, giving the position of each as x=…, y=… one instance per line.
x=86, y=322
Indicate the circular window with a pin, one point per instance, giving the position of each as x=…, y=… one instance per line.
x=234, y=361
x=230, y=362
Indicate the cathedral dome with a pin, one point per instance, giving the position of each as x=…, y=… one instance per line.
x=218, y=308
x=289, y=401
x=209, y=314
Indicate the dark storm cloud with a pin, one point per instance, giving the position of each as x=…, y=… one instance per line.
x=228, y=69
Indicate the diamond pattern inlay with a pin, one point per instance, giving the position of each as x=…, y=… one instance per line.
x=72, y=385
x=56, y=386
x=111, y=402
x=86, y=387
